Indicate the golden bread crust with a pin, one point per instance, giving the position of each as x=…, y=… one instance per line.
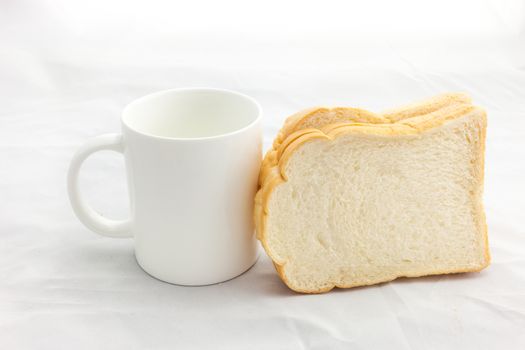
x=409, y=120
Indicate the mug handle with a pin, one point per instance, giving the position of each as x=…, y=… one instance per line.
x=87, y=215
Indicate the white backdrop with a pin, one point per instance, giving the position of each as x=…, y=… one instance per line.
x=67, y=68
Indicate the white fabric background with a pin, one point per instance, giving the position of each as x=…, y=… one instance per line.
x=67, y=68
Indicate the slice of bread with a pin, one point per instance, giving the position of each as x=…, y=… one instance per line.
x=350, y=198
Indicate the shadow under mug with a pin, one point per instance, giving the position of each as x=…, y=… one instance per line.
x=192, y=160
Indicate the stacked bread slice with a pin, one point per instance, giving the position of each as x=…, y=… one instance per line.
x=349, y=197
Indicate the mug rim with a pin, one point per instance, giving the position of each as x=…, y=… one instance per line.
x=202, y=89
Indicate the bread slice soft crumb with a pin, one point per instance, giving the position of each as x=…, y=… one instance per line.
x=350, y=198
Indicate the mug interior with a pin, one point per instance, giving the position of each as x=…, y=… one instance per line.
x=191, y=113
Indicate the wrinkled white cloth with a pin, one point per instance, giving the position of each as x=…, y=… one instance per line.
x=63, y=287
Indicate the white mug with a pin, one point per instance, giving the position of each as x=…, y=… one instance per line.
x=192, y=160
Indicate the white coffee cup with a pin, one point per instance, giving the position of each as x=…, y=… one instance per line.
x=192, y=160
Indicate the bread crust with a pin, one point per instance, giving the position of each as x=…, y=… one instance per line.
x=411, y=120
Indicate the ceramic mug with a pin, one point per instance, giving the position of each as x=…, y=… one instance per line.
x=192, y=160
